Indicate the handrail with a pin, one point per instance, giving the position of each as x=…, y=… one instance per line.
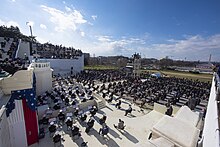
x=217, y=82
x=19, y=42
x=217, y=131
x=211, y=133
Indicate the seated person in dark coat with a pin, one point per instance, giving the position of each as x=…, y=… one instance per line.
x=83, y=117
x=129, y=110
x=52, y=128
x=91, y=98
x=76, y=112
x=67, y=101
x=45, y=120
x=120, y=125
x=61, y=116
x=56, y=106
x=93, y=110
x=110, y=99
x=75, y=130
x=169, y=111
x=104, y=130
x=69, y=122
x=103, y=119
x=118, y=104
x=84, y=100
x=73, y=103
x=56, y=137
x=90, y=124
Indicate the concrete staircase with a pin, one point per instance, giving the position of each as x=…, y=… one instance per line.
x=101, y=104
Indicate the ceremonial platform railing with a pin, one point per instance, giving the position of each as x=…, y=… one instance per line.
x=211, y=136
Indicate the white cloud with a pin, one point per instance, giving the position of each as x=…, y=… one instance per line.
x=192, y=43
x=68, y=9
x=90, y=23
x=64, y=20
x=8, y=23
x=103, y=38
x=12, y=23
x=64, y=2
x=12, y=1
x=2, y=22
x=41, y=40
x=94, y=17
x=42, y=26
x=192, y=47
x=123, y=46
x=82, y=33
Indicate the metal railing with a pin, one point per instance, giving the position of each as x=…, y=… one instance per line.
x=17, y=50
x=211, y=132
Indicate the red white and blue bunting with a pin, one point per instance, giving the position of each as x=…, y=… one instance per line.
x=28, y=94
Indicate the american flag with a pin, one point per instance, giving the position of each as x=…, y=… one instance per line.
x=25, y=113
x=28, y=94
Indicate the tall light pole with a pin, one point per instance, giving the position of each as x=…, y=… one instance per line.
x=30, y=26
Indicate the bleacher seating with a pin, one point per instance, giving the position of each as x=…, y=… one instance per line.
x=49, y=50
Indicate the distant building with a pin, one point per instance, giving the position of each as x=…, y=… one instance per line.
x=86, y=58
x=204, y=65
x=136, y=64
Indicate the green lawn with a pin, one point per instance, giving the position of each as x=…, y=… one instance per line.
x=171, y=73
x=100, y=67
x=179, y=74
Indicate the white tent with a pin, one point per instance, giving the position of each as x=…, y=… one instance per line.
x=157, y=75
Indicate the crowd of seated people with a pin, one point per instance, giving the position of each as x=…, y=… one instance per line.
x=74, y=128
x=13, y=48
x=65, y=93
x=4, y=41
x=78, y=89
x=176, y=91
x=49, y=50
x=166, y=89
x=3, y=44
x=11, y=51
x=69, y=88
x=101, y=76
x=11, y=66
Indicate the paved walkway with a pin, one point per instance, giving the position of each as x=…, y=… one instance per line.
x=136, y=132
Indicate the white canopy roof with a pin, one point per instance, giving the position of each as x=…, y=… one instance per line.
x=158, y=75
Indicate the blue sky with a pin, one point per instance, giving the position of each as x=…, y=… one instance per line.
x=155, y=28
